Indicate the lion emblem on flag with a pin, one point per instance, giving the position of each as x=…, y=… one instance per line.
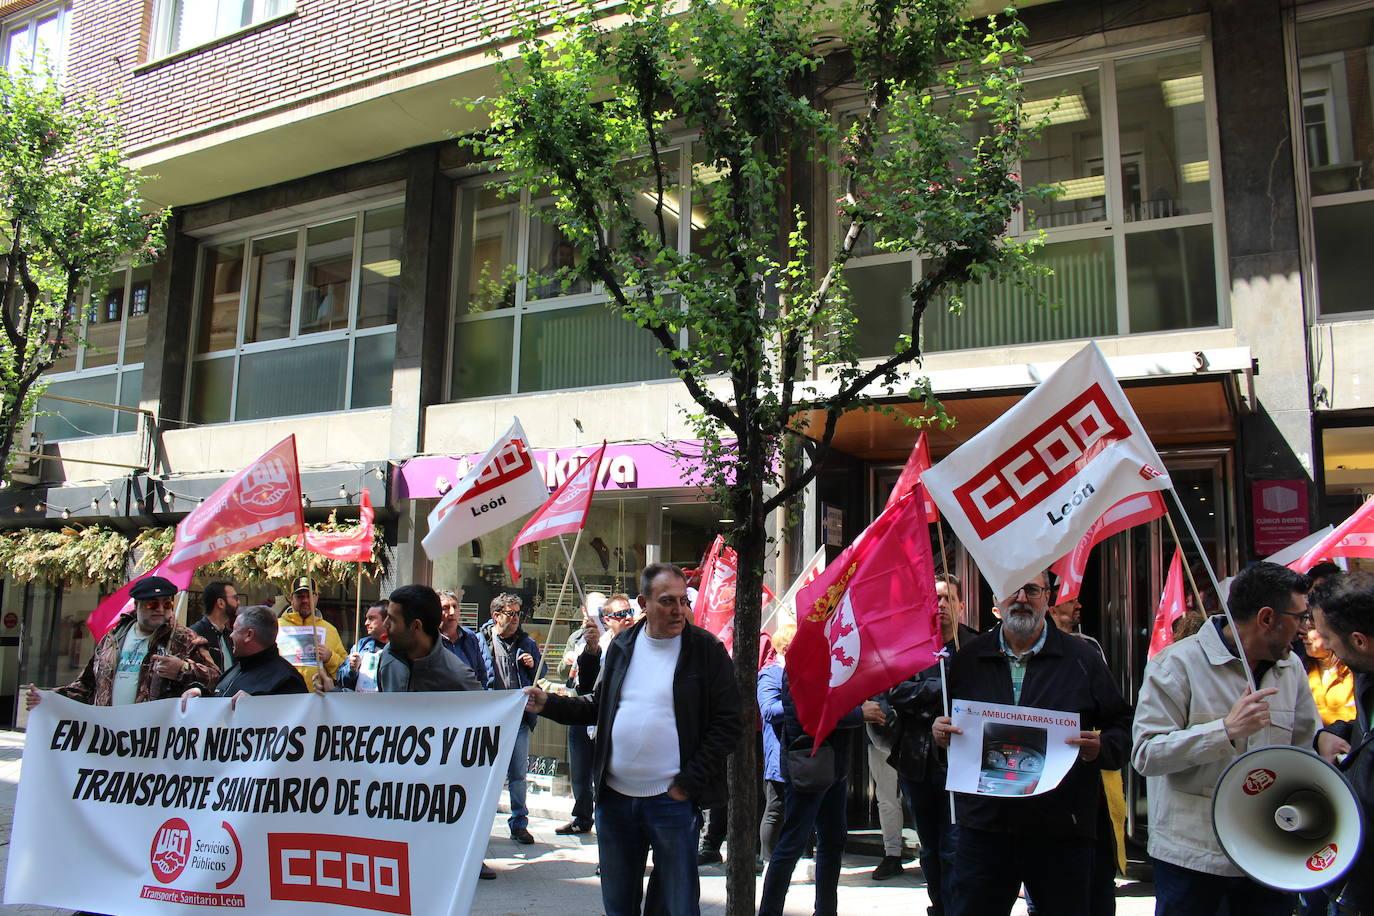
x=842, y=633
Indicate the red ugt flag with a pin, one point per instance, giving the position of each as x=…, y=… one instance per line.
x=917, y=463
x=1352, y=538
x=566, y=510
x=346, y=546
x=1172, y=605
x=258, y=504
x=715, y=604
x=1131, y=511
x=868, y=621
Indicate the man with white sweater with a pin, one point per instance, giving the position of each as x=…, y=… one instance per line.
x=667, y=715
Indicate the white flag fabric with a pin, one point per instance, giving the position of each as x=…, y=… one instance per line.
x=294, y=804
x=504, y=485
x=1023, y=492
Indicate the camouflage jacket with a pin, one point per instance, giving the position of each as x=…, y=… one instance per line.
x=95, y=685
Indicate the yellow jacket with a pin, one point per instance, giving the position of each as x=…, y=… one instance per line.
x=289, y=644
x=1334, y=691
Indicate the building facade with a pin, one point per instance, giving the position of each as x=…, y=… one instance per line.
x=337, y=268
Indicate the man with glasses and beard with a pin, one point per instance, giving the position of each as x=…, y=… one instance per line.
x=1047, y=841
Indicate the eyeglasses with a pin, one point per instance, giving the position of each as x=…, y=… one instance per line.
x=1304, y=617
x=158, y=604
x=618, y=615
x=1032, y=591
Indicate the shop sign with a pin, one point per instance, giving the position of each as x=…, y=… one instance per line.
x=1279, y=509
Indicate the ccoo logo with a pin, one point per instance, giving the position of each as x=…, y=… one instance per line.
x=171, y=849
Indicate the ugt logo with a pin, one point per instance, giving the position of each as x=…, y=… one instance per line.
x=171, y=849
x=265, y=488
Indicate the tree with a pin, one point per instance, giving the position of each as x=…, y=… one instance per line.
x=70, y=213
x=926, y=163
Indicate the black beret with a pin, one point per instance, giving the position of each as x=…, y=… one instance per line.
x=152, y=587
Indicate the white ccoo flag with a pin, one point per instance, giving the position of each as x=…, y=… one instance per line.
x=1023, y=492
x=503, y=485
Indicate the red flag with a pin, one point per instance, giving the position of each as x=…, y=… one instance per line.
x=868, y=621
x=114, y=606
x=1131, y=511
x=715, y=604
x=565, y=511
x=258, y=504
x=1172, y=605
x=917, y=463
x=1352, y=538
x=347, y=546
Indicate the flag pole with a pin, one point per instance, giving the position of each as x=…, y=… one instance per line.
x=1187, y=567
x=944, y=692
x=944, y=562
x=358, y=607
x=1216, y=586
x=577, y=583
x=553, y=621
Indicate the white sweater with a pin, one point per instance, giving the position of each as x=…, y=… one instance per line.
x=644, y=751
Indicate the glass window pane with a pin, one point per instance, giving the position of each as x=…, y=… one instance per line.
x=706, y=177
x=639, y=173
x=379, y=298
x=328, y=277
x=130, y=395
x=1336, y=68
x=482, y=352
x=1342, y=241
x=589, y=345
x=18, y=48
x=488, y=230
x=1165, y=169
x=1068, y=153
x=1081, y=296
x=49, y=50
x=273, y=266
x=281, y=383
x=76, y=421
x=136, y=315
x=102, y=324
x=1171, y=279
x=212, y=385
x=373, y=357
x=880, y=297
x=221, y=287
x=551, y=258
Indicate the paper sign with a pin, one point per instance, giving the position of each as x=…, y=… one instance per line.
x=367, y=672
x=1009, y=750
x=297, y=644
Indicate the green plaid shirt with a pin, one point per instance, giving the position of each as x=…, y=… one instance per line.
x=1017, y=663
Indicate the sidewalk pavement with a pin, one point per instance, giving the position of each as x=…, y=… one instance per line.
x=557, y=875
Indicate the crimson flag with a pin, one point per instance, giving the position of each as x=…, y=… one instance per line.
x=868, y=621
x=564, y=512
x=114, y=606
x=917, y=463
x=1131, y=511
x=715, y=604
x=1352, y=538
x=346, y=546
x=1173, y=602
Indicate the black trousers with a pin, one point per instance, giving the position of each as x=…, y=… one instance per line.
x=992, y=867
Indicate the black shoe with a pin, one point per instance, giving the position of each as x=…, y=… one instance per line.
x=889, y=867
x=572, y=828
x=522, y=836
x=708, y=856
x=487, y=873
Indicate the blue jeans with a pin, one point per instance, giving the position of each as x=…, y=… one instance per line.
x=803, y=812
x=580, y=771
x=930, y=809
x=1183, y=892
x=515, y=776
x=626, y=829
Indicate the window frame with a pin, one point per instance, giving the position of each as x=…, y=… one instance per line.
x=164, y=17
x=29, y=20
x=1114, y=225
x=294, y=340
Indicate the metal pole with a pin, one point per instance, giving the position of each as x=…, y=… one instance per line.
x=553, y=621
x=944, y=692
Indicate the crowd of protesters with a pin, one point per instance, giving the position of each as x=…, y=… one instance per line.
x=653, y=713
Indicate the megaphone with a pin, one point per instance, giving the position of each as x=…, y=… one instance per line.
x=1287, y=818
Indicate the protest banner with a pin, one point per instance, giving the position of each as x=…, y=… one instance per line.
x=280, y=802
x=1009, y=750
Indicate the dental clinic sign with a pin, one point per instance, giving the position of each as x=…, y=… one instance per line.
x=1023, y=492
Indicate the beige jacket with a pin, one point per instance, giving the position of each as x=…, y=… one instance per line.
x=1180, y=744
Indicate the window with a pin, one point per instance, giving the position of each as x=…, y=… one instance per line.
x=105, y=365
x=35, y=39
x=1336, y=82
x=522, y=322
x=1130, y=235
x=298, y=321
x=182, y=24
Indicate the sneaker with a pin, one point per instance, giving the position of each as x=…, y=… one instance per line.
x=708, y=856
x=487, y=873
x=889, y=867
x=521, y=836
x=572, y=828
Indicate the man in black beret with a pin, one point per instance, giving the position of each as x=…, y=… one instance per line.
x=145, y=656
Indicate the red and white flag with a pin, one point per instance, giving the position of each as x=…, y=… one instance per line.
x=565, y=512
x=917, y=463
x=1024, y=491
x=504, y=485
x=346, y=546
x=258, y=504
x=1131, y=511
x=714, y=609
x=1352, y=538
x=1173, y=603
x=868, y=621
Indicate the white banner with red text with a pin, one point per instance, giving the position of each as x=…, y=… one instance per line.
x=374, y=803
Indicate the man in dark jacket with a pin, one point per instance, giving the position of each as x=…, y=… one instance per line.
x=1045, y=841
x=918, y=702
x=221, y=603
x=512, y=661
x=667, y=714
x=259, y=670
x=1345, y=618
x=359, y=671
x=458, y=639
